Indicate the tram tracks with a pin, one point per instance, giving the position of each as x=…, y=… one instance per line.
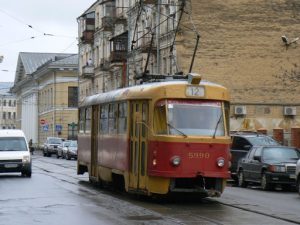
x=207, y=211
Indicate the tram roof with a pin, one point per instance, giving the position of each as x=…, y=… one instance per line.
x=137, y=92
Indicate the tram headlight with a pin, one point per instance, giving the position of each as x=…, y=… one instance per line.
x=175, y=160
x=154, y=162
x=220, y=162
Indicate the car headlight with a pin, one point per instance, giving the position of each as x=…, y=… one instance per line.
x=26, y=159
x=278, y=169
x=220, y=162
x=175, y=160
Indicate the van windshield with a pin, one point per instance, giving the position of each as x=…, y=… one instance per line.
x=13, y=144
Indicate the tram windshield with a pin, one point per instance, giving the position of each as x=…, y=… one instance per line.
x=189, y=117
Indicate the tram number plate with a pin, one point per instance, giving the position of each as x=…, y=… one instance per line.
x=195, y=91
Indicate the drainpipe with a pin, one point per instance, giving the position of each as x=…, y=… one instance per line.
x=158, y=36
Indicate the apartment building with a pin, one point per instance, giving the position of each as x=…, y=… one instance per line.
x=249, y=47
x=7, y=106
x=46, y=88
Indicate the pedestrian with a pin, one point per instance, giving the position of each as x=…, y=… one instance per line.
x=89, y=62
x=31, y=146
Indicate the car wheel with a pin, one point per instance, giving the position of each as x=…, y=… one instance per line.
x=57, y=156
x=26, y=173
x=241, y=179
x=67, y=156
x=265, y=185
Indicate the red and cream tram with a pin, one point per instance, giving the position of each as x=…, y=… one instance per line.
x=157, y=138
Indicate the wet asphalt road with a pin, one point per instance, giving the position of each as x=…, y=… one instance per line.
x=56, y=195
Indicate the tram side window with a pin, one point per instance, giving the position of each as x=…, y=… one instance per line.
x=81, y=120
x=112, y=118
x=104, y=119
x=88, y=115
x=122, y=118
x=160, y=119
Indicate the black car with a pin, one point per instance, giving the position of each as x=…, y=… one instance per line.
x=242, y=142
x=269, y=165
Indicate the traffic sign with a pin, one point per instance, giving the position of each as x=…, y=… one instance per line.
x=42, y=121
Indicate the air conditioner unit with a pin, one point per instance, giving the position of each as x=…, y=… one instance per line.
x=289, y=111
x=240, y=110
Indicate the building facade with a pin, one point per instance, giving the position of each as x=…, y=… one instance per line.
x=7, y=106
x=249, y=47
x=46, y=88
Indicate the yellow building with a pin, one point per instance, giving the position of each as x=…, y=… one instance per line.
x=46, y=87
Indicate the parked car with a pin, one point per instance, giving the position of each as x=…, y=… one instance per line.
x=298, y=176
x=72, y=150
x=50, y=146
x=14, y=153
x=242, y=142
x=269, y=166
x=62, y=149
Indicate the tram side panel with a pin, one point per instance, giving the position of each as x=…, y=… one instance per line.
x=113, y=152
x=84, y=153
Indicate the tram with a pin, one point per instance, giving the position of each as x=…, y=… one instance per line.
x=157, y=138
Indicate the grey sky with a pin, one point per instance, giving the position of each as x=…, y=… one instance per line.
x=55, y=17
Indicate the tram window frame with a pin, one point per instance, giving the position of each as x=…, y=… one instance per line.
x=104, y=119
x=112, y=118
x=227, y=113
x=82, y=120
x=160, y=126
x=122, y=117
x=88, y=116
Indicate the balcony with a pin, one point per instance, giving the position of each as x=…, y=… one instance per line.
x=87, y=37
x=118, y=56
x=88, y=71
x=87, y=24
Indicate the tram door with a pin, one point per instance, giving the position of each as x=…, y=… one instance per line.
x=94, y=142
x=139, y=116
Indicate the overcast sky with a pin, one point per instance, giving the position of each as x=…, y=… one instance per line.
x=55, y=18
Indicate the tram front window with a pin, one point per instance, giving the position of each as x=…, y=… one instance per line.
x=201, y=118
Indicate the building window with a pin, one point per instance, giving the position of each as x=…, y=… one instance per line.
x=4, y=102
x=9, y=103
x=72, y=96
x=14, y=102
x=4, y=115
x=14, y=115
x=9, y=115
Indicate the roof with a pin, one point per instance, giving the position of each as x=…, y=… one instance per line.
x=151, y=90
x=70, y=60
x=30, y=62
x=5, y=87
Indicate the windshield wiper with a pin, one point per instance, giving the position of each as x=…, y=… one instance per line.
x=179, y=131
x=216, y=128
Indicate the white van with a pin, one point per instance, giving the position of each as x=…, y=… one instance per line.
x=14, y=153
